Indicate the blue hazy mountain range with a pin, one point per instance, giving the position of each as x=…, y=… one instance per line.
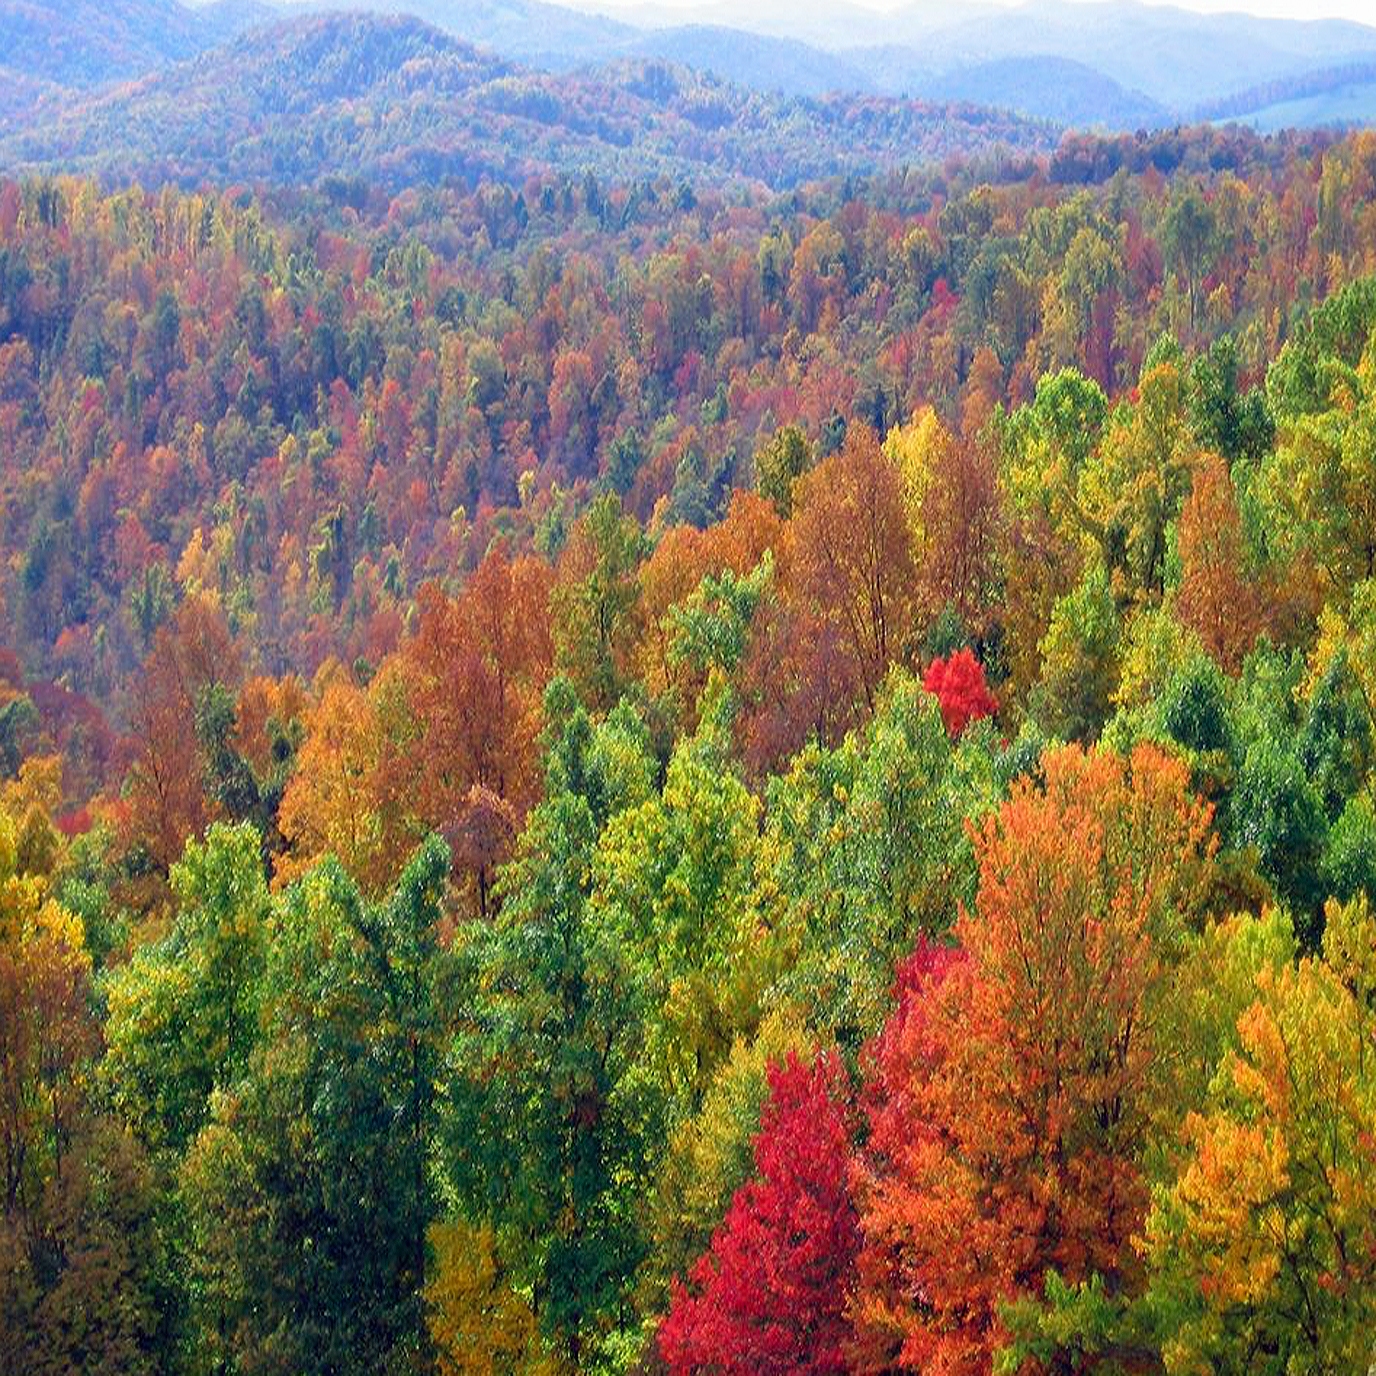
x=82, y=83
x=1115, y=64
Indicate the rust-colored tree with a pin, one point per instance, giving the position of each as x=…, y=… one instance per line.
x=190, y=657
x=960, y=523
x=1015, y=1095
x=853, y=555
x=482, y=661
x=1217, y=599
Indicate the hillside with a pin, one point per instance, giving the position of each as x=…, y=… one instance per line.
x=1348, y=103
x=1110, y=64
x=86, y=43
x=1114, y=64
x=1058, y=89
x=650, y=779
x=688, y=692
x=1129, y=57
x=394, y=100
x=1344, y=95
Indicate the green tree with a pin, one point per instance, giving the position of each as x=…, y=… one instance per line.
x=868, y=850
x=183, y=1014
x=676, y=886
x=1235, y=424
x=550, y=1124
x=1079, y=661
x=779, y=463
x=311, y=1178
x=1190, y=238
x=1132, y=489
x=596, y=601
x=1276, y=812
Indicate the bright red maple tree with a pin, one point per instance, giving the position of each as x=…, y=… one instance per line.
x=770, y=1296
x=958, y=684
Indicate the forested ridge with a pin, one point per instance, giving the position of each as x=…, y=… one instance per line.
x=1127, y=65
x=403, y=104
x=649, y=776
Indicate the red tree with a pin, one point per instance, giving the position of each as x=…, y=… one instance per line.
x=770, y=1296
x=958, y=684
x=907, y=1054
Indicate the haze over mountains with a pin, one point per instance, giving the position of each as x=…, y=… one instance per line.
x=405, y=89
x=1177, y=59
x=1120, y=63
x=395, y=101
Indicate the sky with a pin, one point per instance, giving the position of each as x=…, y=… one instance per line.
x=1364, y=11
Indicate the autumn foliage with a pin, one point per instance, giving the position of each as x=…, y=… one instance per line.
x=609, y=778
x=854, y=560
x=1217, y=597
x=958, y=684
x=770, y=1296
x=1013, y=1095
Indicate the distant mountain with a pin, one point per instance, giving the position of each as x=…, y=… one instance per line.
x=1176, y=57
x=1147, y=62
x=1345, y=105
x=1332, y=96
x=1105, y=64
x=836, y=25
x=1052, y=88
x=557, y=39
x=394, y=100
x=85, y=43
x=755, y=61
x=1116, y=64
x=223, y=19
x=530, y=32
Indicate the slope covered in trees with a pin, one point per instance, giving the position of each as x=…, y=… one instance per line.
x=312, y=407
x=80, y=45
x=629, y=777
x=402, y=104
x=1123, y=65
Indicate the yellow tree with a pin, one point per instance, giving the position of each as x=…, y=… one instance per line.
x=45, y=1029
x=480, y=1325
x=345, y=799
x=77, y=1248
x=708, y=1154
x=1264, y=1245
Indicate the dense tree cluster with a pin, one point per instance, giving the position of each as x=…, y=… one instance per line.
x=566, y=833
x=309, y=407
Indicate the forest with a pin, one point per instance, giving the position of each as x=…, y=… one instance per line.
x=648, y=775
x=403, y=104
